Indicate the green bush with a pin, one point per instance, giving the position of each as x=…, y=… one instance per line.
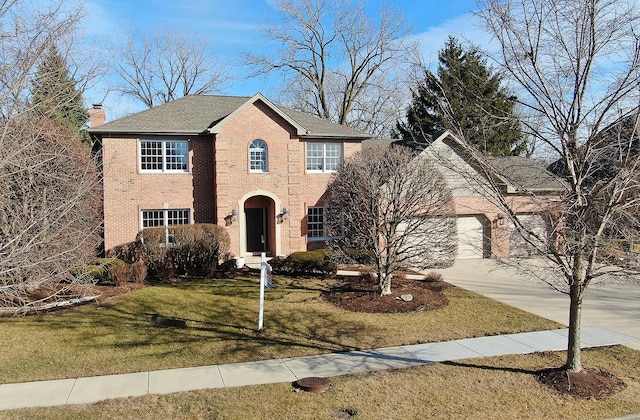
x=361, y=257
x=105, y=270
x=317, y=255
x=194, y=250
x=302, y=264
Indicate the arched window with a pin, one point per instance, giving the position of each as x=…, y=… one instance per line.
x=258, y=156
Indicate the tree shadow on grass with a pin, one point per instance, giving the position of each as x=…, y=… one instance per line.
x=159, y=320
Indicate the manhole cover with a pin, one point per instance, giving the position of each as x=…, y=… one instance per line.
x=313, y=384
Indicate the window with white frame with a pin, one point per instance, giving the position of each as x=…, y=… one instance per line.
x=258, y=156
x=315, y=223
x=323, y=157
x=166, y=218
x=164, y=155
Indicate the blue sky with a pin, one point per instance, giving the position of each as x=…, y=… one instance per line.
x=232, y=26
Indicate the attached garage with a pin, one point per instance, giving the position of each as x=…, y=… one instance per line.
x=472, y=238
x=535, y=230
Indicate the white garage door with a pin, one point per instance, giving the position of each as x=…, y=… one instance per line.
x=470, y=237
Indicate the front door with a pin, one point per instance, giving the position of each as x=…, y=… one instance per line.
x=256, y=229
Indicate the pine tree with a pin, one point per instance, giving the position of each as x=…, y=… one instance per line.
x=54, y=94
x=466, y=97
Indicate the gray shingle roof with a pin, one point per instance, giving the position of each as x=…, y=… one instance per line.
x=195, y=114
x=519, y=172
x=525, y=174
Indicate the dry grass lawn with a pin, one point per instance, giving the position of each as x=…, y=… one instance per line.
x=216, y=324
x=490, y=388
x=130, y=333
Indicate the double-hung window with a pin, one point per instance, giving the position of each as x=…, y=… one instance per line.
x=166, y=218
x=164, y=156
x=315, y=223
x=258, y=156
x=323, y=157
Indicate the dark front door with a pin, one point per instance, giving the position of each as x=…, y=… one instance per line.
x=256, y=229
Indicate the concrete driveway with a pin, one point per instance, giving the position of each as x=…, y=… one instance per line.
x=614, y=306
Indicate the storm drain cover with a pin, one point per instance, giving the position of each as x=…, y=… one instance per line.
x=313, y=384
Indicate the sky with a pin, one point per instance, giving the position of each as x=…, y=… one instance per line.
x=232, y=27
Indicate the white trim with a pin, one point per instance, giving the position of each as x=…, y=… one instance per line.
x=163, y=141
x=324, y=157
x=242, y=221
x=265, y=152
x=324, y=237
x=300, y=130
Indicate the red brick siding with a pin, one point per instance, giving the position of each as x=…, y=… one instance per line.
x=127, y=191
x=220, y=181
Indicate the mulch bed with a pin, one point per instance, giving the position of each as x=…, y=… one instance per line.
x=590, y=383
x=360, y=294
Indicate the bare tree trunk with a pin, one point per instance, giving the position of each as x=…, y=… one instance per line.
x=574, y=359
x=385, y=283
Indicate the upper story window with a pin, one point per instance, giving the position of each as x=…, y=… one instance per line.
x=323, y=157
x=166, y=218
x=164, y=155
x=258, y=156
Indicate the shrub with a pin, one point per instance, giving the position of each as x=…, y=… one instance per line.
x=95, y=272
x=361, y=257
x=129, y=252
x=138, y=272
x=119, y=274
x=199, y=248
x=155, y=253
x=195, y=249
x=317, y=255
x=304, y=264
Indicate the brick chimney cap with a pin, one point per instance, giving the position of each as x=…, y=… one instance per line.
x=97, y=106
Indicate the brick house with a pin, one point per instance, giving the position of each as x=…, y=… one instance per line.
x=241, y=162
x=484, y=230
x=261, y=170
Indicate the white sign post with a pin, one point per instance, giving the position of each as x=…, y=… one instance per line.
x=265, y=279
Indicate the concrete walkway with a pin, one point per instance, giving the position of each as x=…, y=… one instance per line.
x=615, y=306
x=93, y=389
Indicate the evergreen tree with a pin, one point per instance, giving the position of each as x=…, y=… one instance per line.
x=54, y=94
x=466, y=97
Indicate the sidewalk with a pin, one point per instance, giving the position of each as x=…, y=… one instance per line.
x=93, y=389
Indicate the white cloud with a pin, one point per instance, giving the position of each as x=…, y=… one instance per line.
x=465, y=27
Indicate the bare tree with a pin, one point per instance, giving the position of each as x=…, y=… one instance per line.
x=394, y=205
x=158, y=67
x=577, y=67
x=336, y=59
x=25, y=35
x=49, y=184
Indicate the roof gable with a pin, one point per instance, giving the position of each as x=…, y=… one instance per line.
x=517, y=174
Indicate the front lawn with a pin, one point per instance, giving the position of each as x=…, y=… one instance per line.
x=214, y=322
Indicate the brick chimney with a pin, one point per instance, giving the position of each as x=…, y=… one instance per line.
x=96, y=115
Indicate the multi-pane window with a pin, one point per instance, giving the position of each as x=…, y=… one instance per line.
x=166, y=218
x=323, y=157
x=258, y=156
x=164, y=155
x=315, y=223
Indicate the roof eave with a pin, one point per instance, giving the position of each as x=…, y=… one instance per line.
x=147, y=132
x=333, y=136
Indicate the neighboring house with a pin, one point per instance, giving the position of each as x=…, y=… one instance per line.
x=484, y=230
x=241, y=162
